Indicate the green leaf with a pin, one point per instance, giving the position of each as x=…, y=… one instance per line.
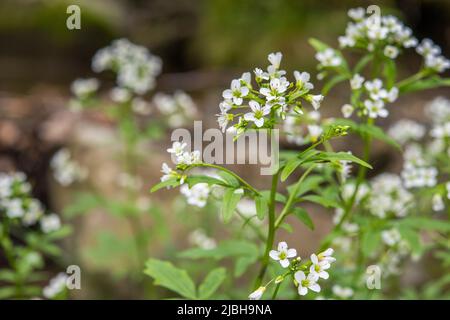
x=172, y=182
x=242, y=264
x=317, y=44
x=286, y=226
x=262, y=207
x=370, y=241
x=390, y=72
x=378, y=133
x=310, y=183
x=339, y=156
x=7, y=292
x=82, y=204
x=229, y=179
x=304, y=217
x=230, y=201
x=362, y=63
x=329, y=203
x=170, y=277
x=193, y=180
x=333, y=82
x=211, y=283
x=422, y=223
x=291, y=165
x=429, y=83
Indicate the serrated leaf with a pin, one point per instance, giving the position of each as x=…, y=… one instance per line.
x=304, y=217
x=211, y=283
x=230, y=201
x=167, y=275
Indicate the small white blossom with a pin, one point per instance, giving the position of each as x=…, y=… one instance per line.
x=283, y=254
x=375, y=109
x=319, y=267
x=55, y=286
x=258, y=113
x=236, y=93
x=257, y=294
x=342, y=292
x=50, y=223
x=306, y=282
x=82, y=88
x=391, y=237
x=437, y=202
x=347, y=110
x=391, y=51
x=329, y=58
x=303, y=80
x=356, y=82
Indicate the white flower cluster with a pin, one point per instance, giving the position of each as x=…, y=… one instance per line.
x=303, y=128
x=65, y=170
x=374, y=105
x=83, y=88
x=135, y=66
x=177, y=107
x=328, y=58
x=398, y=250
x=388, y=197
x=272, y=99
x=200, y=239
x=17, y=203
x=196, y=195
x=406, y=130
x=432, y=56
x=55, y=286
x=389, y=35
x=306, y=278
x=372, y=32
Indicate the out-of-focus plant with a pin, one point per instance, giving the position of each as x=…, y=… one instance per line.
x=139, y=120
x=28, y=235
x=381, y=221
x=262, y=104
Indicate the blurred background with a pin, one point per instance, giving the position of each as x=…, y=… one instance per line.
x=203, y=44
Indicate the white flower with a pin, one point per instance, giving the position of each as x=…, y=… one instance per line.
x=314, y=132
x=120, y=95
x=315, y=100
x=50, y=223
x=236, y=93
x=437, y=63
x=319, y=267
x=356, y=82
x=437, y=202
x=375, y=109
x=328, y=58
x=260, y=74
x=391, y=237
x=65, y=170
x=258, y=113
x=197, y=195
x=305, y=283
x=168, y=173
x=357, y=14
x=257, y=294
x=405, y=130
x=347, y=110
x=327, y=255
x=428, y=48
x=391, y=51
x=392, y=94
x=283, y=254
x=342, y=292
x=140, y=106
x=375, y=89
x=275, y=59
x=55, y=286
x=277, y=87
x=82, y=88
x=13, y=207
x=177, y=148
x=345, y=41
x=201, y=240
x=303, y=80
x=247, y=78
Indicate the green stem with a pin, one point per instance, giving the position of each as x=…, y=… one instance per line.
x=287, y=208
x=275, y=292
x=271, y=231
x=252, y=225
